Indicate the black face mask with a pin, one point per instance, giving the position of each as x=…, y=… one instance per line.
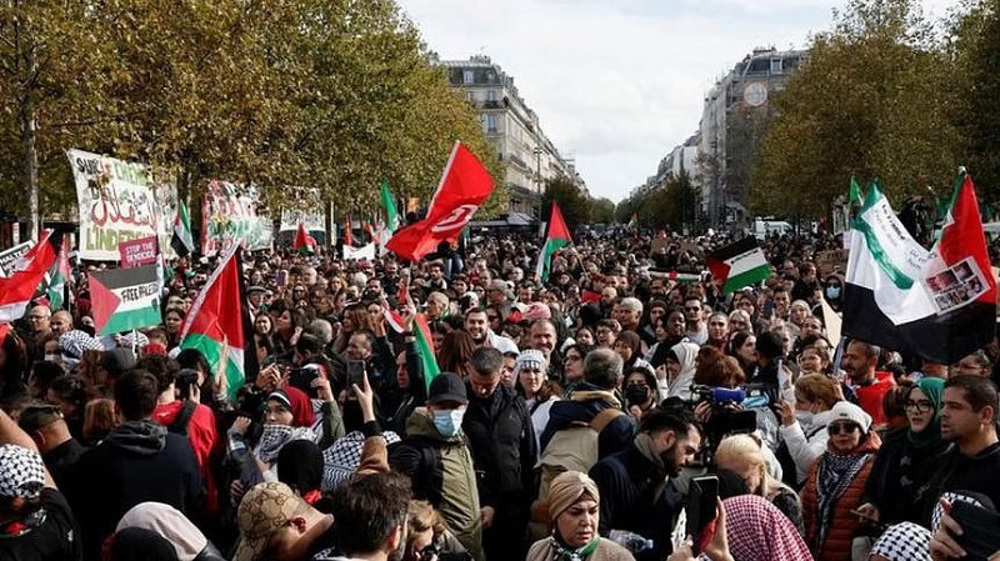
x=637, y=395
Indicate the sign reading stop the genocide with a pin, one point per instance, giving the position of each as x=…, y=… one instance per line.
x=140, y=251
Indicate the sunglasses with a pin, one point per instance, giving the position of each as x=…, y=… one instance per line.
x=846, y=428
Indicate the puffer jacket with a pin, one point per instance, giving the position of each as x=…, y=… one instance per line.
x=844, y=525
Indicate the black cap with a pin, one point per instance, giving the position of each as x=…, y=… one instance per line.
x=447, y=387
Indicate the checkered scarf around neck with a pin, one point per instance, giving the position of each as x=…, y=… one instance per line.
x=274, y=437
x=341, y=460
x=905, y=541
x=835, y=475
x=562, y=552
x=758, y=531
x=22, y=476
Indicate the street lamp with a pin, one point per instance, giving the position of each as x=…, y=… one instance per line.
x=538, y=151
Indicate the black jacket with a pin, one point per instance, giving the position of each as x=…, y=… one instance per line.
x=137, y=462
x=899, y=470
x=502, y=440
x=627, y=481
x=958, y=472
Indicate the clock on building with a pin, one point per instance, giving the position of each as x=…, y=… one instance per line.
x=755, y=94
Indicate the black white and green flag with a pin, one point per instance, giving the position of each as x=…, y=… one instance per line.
x=125, y=299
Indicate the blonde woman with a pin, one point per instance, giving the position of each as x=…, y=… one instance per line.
x=742, y=455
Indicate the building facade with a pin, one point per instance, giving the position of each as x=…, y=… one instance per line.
x=733, y=122
x=529, y=157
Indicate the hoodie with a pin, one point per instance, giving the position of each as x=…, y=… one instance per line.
x=442, y=473
x=139, y=461
x=583, y=405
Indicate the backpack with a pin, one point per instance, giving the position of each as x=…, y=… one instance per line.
x=571, y=449
x=183, y=419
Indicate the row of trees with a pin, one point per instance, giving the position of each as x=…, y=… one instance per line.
x=577, y=207
x=886, y=94
x=670, y=205
x=333, y=94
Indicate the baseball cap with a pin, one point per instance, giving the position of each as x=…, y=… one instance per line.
x=447, y=386
x=38, y=415
x=265, y=509
x=23, y=473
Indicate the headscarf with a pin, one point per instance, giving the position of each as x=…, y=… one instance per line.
x=300, y=466
x=296, y=401
x=933, y=388
x=566, y=489
x=686, y=352
x=758, y=531
x=168, y=522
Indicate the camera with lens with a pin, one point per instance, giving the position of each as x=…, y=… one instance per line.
x=732, y=412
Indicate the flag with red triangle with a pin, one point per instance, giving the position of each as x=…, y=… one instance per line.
x=557, y=239
x=423, y=340
x=125, y=299
x=17, y=290
x=217, y=326
x=304, y=243
x=465, y=186
x=59, y=278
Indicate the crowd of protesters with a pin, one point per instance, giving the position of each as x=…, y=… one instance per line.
x=567, y=422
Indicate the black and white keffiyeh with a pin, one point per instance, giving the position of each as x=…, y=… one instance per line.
x=341, y=460
x=22, y=472
x=905, y=541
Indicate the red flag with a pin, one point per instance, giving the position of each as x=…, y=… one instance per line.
x=348, y=237
x=304, y=243
x=17, y=290
x=465, y=185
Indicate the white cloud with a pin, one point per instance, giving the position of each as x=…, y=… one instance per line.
x=617, y=84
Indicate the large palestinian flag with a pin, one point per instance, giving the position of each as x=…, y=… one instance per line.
x=125, y=299
x=557, y=239
x=738, y=264
x=218, y=326
x=939, y=304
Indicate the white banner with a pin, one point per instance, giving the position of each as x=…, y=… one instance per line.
x=119, y=202
x=228, y=215
x=358, y=253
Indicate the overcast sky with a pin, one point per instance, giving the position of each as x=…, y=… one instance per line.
x=618, y=83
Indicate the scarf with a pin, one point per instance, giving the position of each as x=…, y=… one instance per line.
x=562, y=552
x=930, y=437
x=275, y=436
x=644, y=444
x=758, y=530
x=168, y=522
x=835, y=475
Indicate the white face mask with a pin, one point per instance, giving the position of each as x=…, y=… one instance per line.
x=57, y=358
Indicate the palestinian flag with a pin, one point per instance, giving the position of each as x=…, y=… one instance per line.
x=57, y=278
x=633, y=224
x=304, y=243
x=392, y=222
x=17, y=290
x=182, y=241
x=557, y=239
x=739, y=264
x=125, y=299
x=683, y=278
x=424, y=342
x=218, y=326
x=939, y=304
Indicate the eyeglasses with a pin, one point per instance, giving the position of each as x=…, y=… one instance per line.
x=922, y=406
x=693, y=309
x=846, y=428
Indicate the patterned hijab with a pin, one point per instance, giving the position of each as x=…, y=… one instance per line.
x=758, y=531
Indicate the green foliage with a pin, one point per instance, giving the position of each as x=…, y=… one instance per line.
x=671, y=205
x=575, y=206
x=602, y=211
x=337, y=95
x=875, y=98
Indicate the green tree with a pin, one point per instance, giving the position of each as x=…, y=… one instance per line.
x=602, y=211
x=574, y=205
x=874, y=99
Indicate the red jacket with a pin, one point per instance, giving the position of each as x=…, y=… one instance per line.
x=870, y=397
x=844, y=525
x=203, y=437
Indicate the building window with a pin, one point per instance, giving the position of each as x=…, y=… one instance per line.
x=491, y=95
x=470, y=97
x=468, y=76
x=491, y=123
x=776, y=66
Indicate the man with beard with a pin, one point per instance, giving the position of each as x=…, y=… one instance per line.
x=636, y=494
x=478, y=326
x=859, y=362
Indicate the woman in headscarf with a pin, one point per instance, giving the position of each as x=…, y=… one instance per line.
x=574, y=515
x=836, y=483
x=169, y=523
x=680, y=369
x=538, y=391
x=908, y=458
x=288, y=417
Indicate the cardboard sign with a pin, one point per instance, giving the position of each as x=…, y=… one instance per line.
x=142, y=251
x=831, y=260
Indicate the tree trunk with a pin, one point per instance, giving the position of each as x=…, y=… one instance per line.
x=30, y=165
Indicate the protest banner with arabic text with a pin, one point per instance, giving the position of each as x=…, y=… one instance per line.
x=228, y=215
